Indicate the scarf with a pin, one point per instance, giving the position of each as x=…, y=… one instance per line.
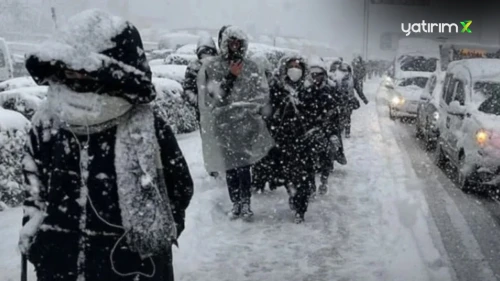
x=145, y=207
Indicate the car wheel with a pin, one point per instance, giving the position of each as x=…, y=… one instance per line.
x=439, y=157
x=430, y=143
x=420, y=133
x=465, y=182
x=391, y=115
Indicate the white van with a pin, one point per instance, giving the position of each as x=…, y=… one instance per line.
x=469, y=122
x=6, y=68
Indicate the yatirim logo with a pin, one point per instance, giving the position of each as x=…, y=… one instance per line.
x=425, y=27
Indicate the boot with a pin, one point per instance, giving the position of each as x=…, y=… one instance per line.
x=246, y=212
x=299, y=218
x=347, y=132
x=340, y=157
x=291, y=203
x=235, y=211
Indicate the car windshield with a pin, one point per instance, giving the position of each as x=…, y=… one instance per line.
x=415, y=81
x=418, y=63
x=491, y=91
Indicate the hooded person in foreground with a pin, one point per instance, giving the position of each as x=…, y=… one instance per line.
x=107, y=185
x=233, y=98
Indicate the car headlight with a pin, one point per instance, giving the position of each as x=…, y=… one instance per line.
x=397, y=101
x=482, y=137
x=436, y=115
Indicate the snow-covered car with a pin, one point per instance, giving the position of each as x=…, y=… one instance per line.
x=405, y=96
x=469, y=122
x=158, y=54
x=15, y=83
x=171, y=71
x=273, y=54
x=180, y=59
x=6, y=67
x=23, y=100
x=428, y=110
x=176, y=40
x=188, y=49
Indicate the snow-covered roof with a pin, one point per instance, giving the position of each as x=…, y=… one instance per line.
x=480, y=69
x=171, y=71
x=19, y=82
x=11, y=120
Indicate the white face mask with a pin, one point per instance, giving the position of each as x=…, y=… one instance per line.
x=294, y=74
x=82, y=109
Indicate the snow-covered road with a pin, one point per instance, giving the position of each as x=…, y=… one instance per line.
x=389, y=215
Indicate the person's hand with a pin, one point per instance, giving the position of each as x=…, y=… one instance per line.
x=366, y=101
x=236, y=67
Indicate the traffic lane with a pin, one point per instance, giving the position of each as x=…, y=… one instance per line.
x=468, y=223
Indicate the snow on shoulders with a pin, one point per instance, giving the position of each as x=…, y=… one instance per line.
x=11, y=120
x=19, y=82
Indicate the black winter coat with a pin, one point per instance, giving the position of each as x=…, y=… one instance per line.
x=55, y=249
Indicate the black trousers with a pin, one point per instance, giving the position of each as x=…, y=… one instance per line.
x=239, y=184
x=298, y=171
x=268, y=170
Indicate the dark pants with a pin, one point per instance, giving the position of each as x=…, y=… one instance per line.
x=298, y=171
x=239, y=184
x=267, y=170
x=55, y=255
x=347, y=120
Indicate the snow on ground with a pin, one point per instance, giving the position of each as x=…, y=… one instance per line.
x=10, y=120
x=372, y=225
x=19, y=82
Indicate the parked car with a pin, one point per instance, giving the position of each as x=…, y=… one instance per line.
x=6, y=68
x=469, y=122
x=428, y=110
x=405, y=95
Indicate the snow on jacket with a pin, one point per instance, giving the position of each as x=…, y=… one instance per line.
x=233, y=132
x=91, y=188
x=293, y=106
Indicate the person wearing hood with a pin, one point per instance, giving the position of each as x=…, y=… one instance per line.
x=344, y=81
x=359, y=73
x=107, y=185
x=325, y=111
x=233, y=100
x=294, y=130
x=204, y=49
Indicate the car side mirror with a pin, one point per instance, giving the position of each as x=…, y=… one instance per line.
x=456, y=108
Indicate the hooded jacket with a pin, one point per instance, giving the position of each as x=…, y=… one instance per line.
x=288, y=120
x=191, y=75
x=84, y=184
x=233, y=131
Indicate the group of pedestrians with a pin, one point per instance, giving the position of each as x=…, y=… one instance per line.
x=277, y=126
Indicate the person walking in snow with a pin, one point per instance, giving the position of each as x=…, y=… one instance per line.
x=344, y=80
x=295, y=131
x=106, y=183
x=359, y=75
x=324, y=111
x=233, y=98
x=205, y=48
